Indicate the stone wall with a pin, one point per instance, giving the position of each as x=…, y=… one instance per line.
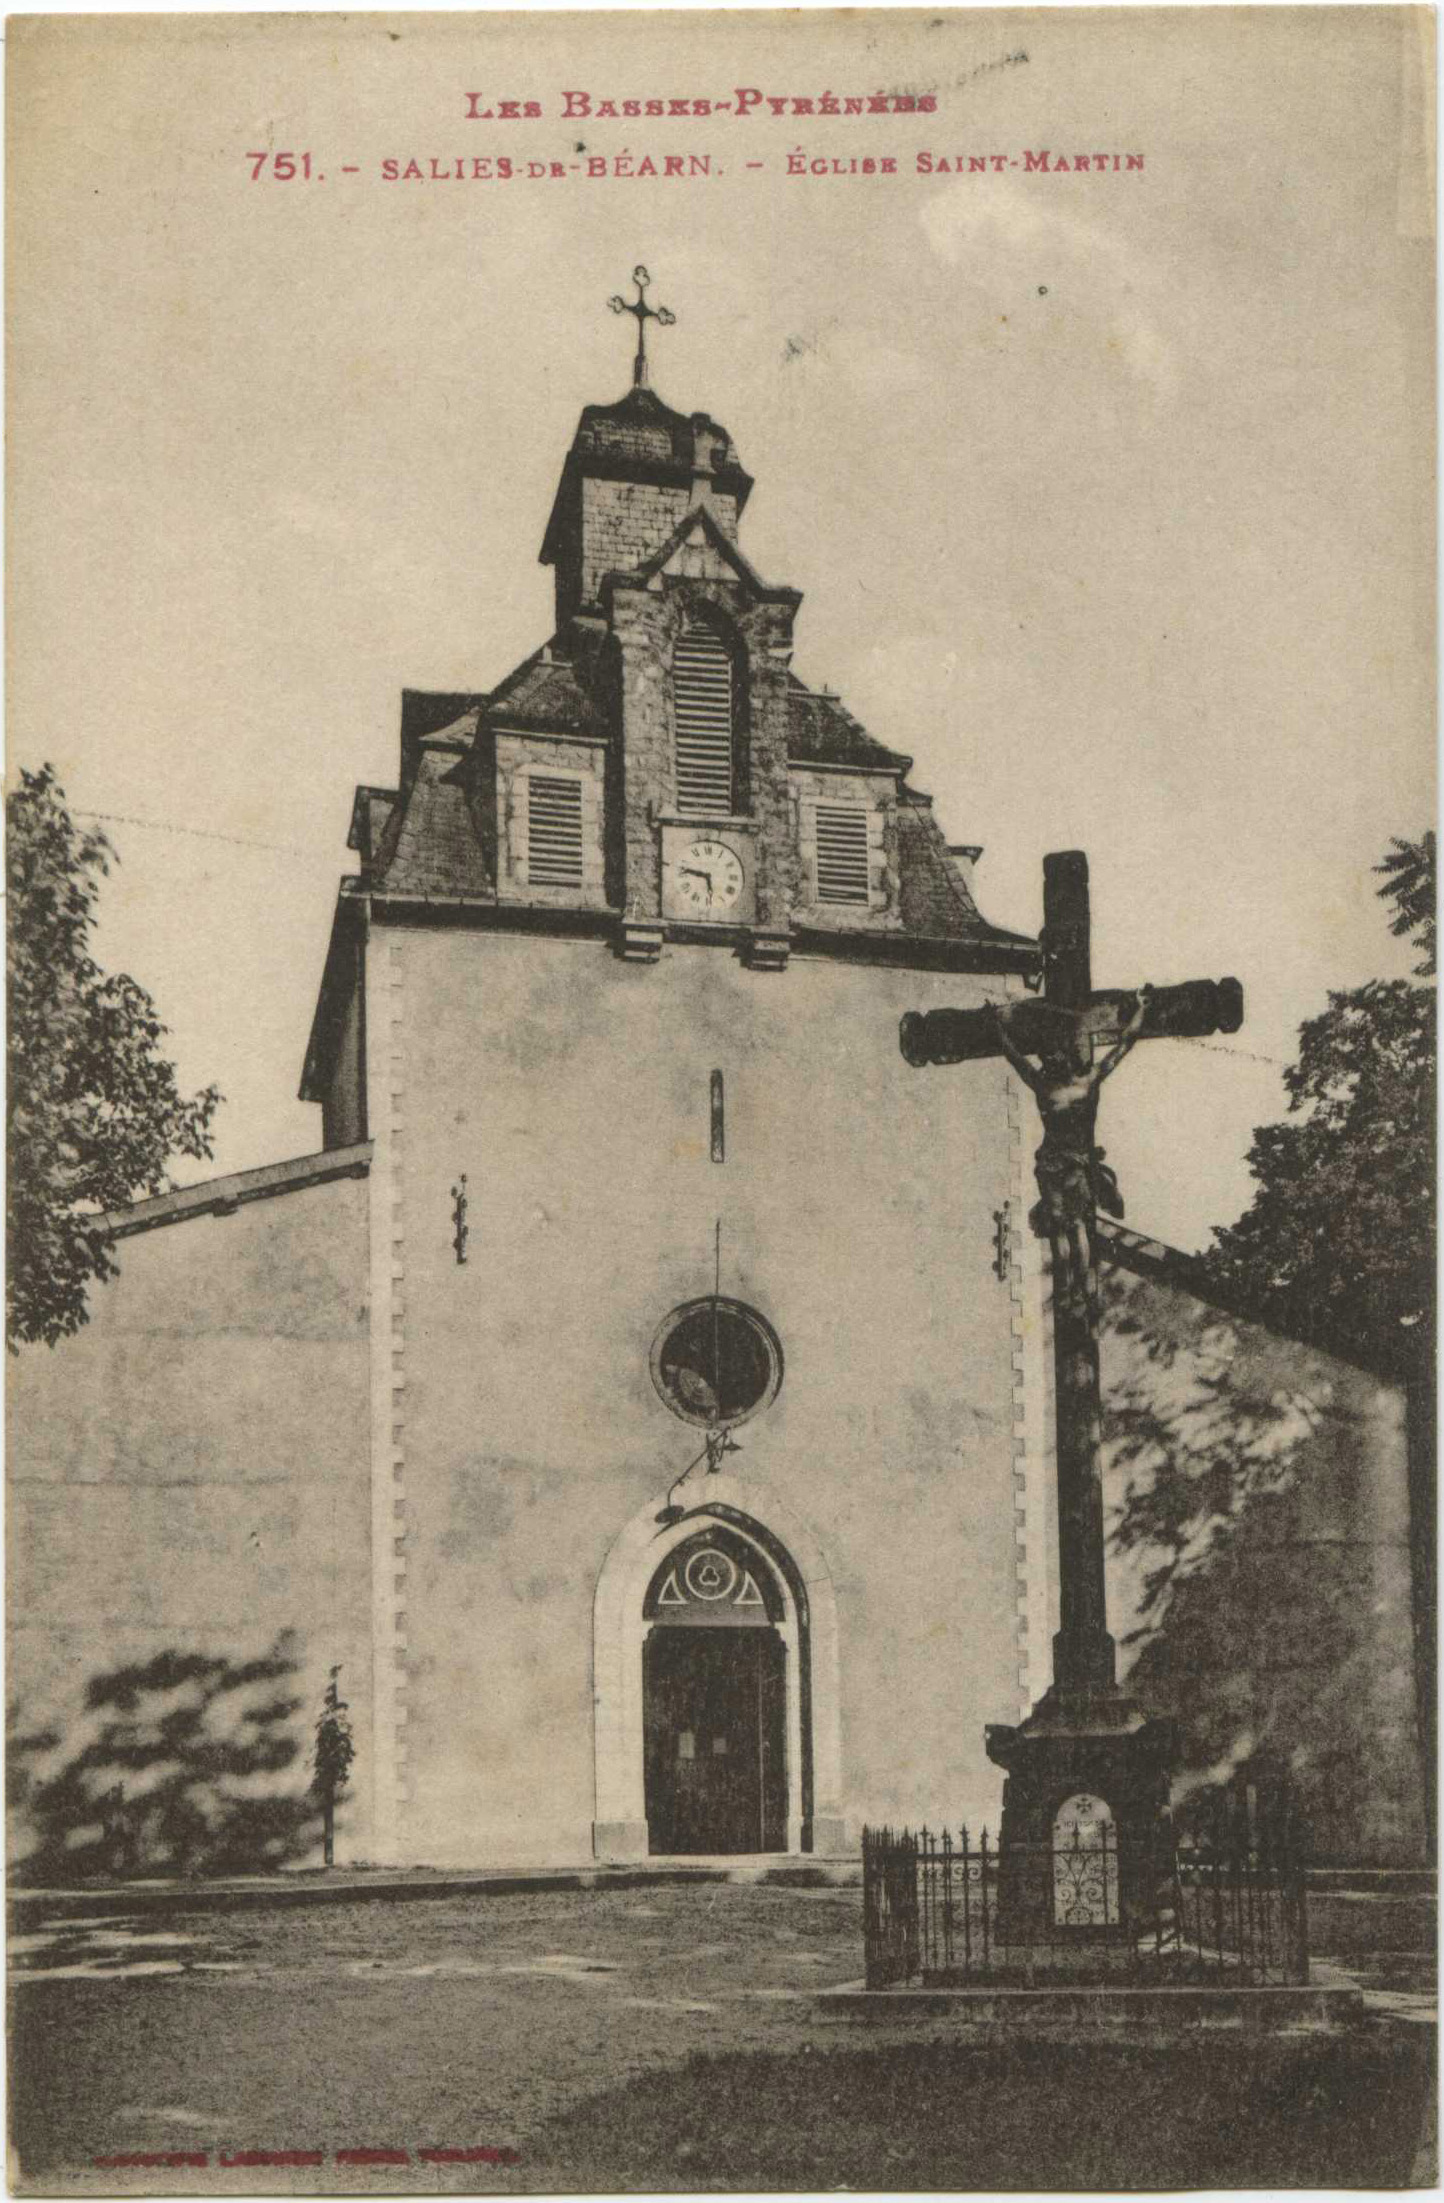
x=189, y=1477
x=646, y=622
x=624, y=523
x=1286, y=1630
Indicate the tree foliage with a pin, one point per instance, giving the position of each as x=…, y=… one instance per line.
x=1340, y=1234
x=1409, y=875
x=335, y=1746
x=94, y=1113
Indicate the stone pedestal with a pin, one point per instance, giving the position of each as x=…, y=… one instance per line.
x=1076, y=1752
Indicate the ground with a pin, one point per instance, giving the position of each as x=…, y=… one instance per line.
x=640, y=2039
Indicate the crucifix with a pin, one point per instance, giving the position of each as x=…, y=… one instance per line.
x=644, y=313
x=1063, y=1045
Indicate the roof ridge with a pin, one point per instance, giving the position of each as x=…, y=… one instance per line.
x=1145, y=1256
x=220, y=1196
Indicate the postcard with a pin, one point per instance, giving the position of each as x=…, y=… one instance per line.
x=721, y=1160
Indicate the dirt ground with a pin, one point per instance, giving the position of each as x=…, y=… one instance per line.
x=647, y=2039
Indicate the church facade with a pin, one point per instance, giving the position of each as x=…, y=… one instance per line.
x=632, y=1395
x=642, y=1395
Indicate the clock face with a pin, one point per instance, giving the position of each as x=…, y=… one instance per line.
x=708, y=878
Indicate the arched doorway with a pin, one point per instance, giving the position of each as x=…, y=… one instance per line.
x=791, y=1572
x=714, y=1695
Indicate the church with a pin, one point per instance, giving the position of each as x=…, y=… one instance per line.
x=641, y=1396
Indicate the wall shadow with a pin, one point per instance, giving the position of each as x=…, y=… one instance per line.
x=183, y=1764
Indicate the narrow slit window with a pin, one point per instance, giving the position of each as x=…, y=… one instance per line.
x=719, y=1119
x=553, y=831
x=842, y=854
x=702, y=711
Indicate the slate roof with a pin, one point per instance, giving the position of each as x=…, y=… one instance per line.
x=551, y=690
x=822, y=731
x=424, y=839
x=431, y=846
x=1157, y=1263
x=641, y=426
x=431, y=711
x=934, y=897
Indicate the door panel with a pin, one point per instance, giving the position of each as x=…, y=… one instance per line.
x=715, y=1727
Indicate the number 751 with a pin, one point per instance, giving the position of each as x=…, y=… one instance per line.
x=283, y=166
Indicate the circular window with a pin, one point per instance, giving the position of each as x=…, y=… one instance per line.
x=716, y=1361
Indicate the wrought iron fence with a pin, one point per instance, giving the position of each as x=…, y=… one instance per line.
x=944, y=1909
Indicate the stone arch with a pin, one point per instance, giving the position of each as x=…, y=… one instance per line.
x=789, y=1549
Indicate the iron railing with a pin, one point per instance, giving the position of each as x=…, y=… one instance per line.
x=946, y=1910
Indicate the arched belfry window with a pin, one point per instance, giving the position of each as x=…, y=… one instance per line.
x=704, y=715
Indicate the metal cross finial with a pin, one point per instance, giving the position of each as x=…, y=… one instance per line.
x=644, y=314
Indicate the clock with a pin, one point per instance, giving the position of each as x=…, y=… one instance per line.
x=708, y=878
x=709, y=871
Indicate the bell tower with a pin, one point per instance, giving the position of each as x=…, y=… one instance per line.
x=634, y=470
x=696, y=650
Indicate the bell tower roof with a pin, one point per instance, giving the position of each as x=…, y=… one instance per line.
x=641, y=439
x=634, y=471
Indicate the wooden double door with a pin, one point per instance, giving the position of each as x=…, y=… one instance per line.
x=716, y=1730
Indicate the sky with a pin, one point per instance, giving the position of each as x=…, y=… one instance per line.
x=1110, y=493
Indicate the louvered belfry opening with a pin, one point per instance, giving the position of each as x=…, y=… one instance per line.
x=703, y=707
x=553, y=831
x=842, y=864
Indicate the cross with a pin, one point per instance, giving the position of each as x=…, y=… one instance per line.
x=1063, y=1046
x=644, y=314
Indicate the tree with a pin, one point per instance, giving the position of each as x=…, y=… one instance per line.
x=1409, y=871
x=93, y=1112
x=1340, y=1234
x=335, y=1750
x=1212, y=1439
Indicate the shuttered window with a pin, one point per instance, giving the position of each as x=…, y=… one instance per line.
x=842, y=862
x=702, y=711
x=553, y=831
